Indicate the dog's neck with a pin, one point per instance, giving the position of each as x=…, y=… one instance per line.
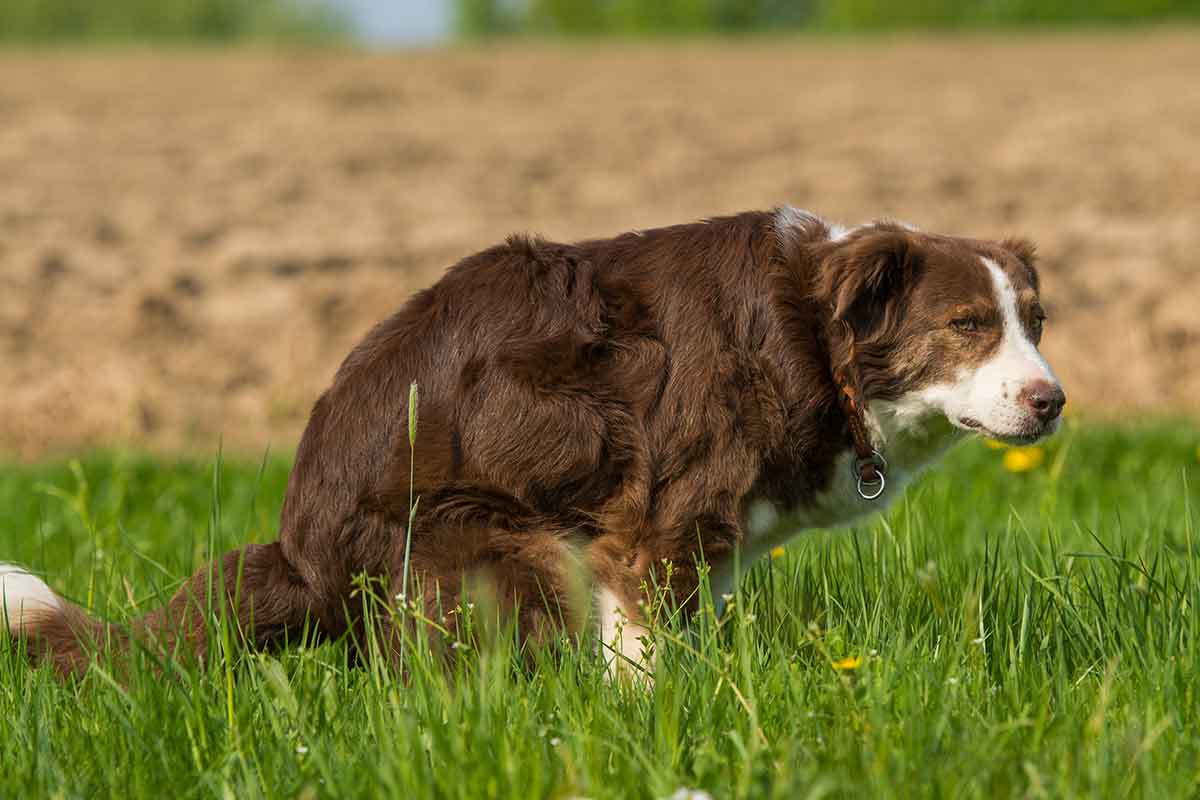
x=910, y=439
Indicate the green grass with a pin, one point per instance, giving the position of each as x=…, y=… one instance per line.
x=169, y=20
x=642, y=17
x=1020, y=634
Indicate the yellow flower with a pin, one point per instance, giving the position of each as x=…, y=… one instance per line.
x=778, y=552
x=848, y=663
x=1023, y=459
x=992, y=444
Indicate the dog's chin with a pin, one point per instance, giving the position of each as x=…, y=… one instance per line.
x=1031, y=433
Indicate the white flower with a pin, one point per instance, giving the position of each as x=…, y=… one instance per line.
x=301, y=749
x=683, y=793
x=555, y=742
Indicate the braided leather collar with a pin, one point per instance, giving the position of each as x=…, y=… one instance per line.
x=869, y=464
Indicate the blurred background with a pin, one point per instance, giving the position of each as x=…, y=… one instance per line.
x=205, y=203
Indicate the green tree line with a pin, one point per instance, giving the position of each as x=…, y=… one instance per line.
x=488, y=17
x=213, y=20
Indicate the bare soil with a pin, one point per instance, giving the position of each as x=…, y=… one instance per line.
x=190, y=242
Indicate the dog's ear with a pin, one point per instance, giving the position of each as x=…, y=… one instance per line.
x=857, y=278
x=1026, y=252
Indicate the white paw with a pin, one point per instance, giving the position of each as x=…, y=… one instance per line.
x=623, y=641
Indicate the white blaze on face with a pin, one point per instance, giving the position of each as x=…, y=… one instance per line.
x=991, y=395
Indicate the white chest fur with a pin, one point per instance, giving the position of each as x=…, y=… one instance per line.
x=909, y=445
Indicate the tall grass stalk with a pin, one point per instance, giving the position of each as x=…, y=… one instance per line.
x=412, y=502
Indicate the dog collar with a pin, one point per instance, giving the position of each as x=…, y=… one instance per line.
x=869, y=466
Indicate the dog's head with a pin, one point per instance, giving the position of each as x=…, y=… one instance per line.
x=934, y=325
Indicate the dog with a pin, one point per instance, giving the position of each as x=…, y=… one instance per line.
x=643, y=408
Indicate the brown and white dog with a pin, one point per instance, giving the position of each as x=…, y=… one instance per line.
x=625, y=404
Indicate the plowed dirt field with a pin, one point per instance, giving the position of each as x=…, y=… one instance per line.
x=191, y=241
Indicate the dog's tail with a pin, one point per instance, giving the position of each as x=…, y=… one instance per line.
x=252, y=589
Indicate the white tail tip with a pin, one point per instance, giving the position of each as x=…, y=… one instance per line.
x=22, y=593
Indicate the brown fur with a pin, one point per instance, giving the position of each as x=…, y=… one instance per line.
x=620, y=399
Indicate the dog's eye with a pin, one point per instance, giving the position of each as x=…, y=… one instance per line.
x=965, y=324
x=1039, y=319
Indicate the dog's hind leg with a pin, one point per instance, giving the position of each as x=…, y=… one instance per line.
x=530, y=574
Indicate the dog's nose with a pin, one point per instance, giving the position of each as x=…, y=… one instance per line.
x=1044, y=398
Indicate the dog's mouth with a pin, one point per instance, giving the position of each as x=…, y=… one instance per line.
x=1026, y=437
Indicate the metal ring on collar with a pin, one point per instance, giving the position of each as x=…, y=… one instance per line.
x=871, y=491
